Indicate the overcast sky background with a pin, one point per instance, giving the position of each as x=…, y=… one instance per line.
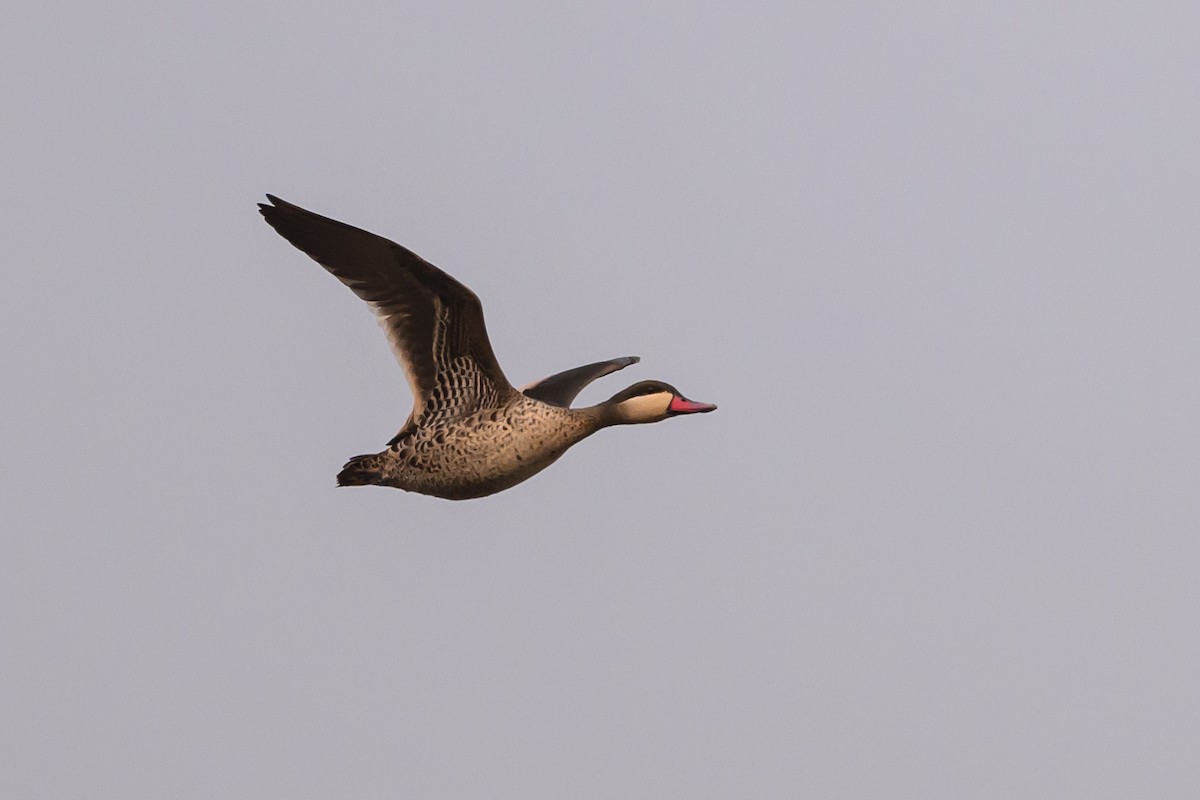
x=939, y=266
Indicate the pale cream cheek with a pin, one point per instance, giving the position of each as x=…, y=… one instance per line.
x=647, y=408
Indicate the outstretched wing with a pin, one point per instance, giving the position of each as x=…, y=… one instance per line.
x=434, y=323
x=561, y=389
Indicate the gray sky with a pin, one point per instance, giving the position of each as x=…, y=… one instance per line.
x=937, y=265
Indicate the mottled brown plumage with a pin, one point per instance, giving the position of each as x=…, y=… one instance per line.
x=470, y=433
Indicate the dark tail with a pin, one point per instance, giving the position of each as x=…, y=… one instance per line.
x=360, y=471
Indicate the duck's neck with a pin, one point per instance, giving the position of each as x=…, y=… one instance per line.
x=601, y=415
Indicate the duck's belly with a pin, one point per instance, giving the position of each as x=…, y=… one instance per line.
x=479, y=457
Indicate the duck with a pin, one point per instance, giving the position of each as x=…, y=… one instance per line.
x=470, y=433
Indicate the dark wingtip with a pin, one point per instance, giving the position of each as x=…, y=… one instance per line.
x=280, y=212
x=274, y=205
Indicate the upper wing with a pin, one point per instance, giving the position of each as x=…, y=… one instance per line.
x=561, y=389
x=434, y=323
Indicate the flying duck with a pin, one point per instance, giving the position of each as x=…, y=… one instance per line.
x=470, y=433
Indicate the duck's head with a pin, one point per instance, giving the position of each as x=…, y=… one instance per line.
x=651, y=401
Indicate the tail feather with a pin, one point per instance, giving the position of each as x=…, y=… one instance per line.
x=360, y=471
